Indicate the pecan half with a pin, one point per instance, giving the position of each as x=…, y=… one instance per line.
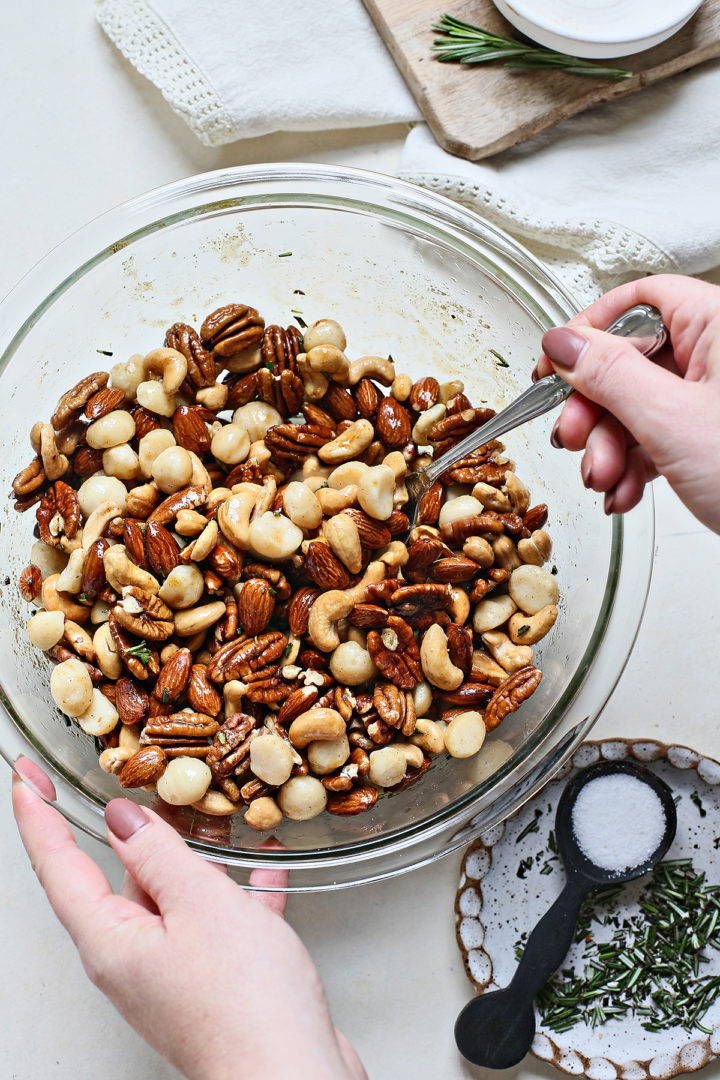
x=280, y=349
x=297, y=441
x=190, y=728
x=510, y=695
x=457, y=425
x=201, y=366
x=401, y=664
x=469, y=694
x=231, y=745
x=139, y=658
x=396, y=708
x=415, y=598
x=457, y=531
x=72, y=403
x=460, y=647
x=142, y=613
x=238, y=659
x=30, y=479
x=284, y=392
x=231, y=330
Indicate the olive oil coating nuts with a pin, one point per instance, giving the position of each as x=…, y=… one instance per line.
x=221, y=581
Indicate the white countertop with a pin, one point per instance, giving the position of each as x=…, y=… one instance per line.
x=82, y=132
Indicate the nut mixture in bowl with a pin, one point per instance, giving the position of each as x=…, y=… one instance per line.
x=227, y=582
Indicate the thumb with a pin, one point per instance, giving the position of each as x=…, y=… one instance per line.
x=609, y=371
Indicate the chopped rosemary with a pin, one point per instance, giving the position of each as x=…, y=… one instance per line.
x=140, y=651
x=288, y=648
x=695, y=798
x=300, y=321
x=165, y=696
x=284, y=254
x=270, y=365
x=523, y=866
x=532, y=827
x=104, y=352
x=522, y=630
x=465, y=43
x=298, y=292
x=501, y=361
x=651, y=965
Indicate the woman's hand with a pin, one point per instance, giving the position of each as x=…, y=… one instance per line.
x=210, y=975
x=637, y=418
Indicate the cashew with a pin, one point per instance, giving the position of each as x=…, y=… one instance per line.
x=350, y=443
x=493, y=612
x=394, y=555
x=459, y=607
x=234, y=515
x=425, y=422
x=79, y=640
x=324, y=332
x=329, y=360
x=52, y=600
x=401, y=387
x=351, y=664
x=129, y=737
x=428, y=736
x=215, y=398
x=517, y=493
x=343, y=537
x=216, y=804
x=506, y=556
x=491, y=498
x=204, y=544
x=536, y=549
x=437, y=666
x=188, y=623
x=273, y=536
x=266, y=499
x=220, y=495
x=465, y=734
x=55, y=464
x=70, y=580
x=397, y=463
x=374, y=574
x=509, y=656
x=334, y=501
x=450, y=389
x=106, y=652
x=371, y=367
x=325, y=614
x=413, y=755
x=112, y=760
x=170, y=364
x=315, y=725
x=121, y=571
x=533, y=588
x=527, y=629
x=375, y=492
x=489, y=672
x=99, y=612
x=190, y=523
x=98, y=522
x=479, y=550
x=301, y=506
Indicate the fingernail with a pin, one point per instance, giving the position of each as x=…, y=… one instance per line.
x=586, y=469
x=555, y=439
x=534, y=375
x=564, y=346
x=125, y=818
x=609, y=502
x=34, y=778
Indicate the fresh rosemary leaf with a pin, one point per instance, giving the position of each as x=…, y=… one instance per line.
x=464, y=43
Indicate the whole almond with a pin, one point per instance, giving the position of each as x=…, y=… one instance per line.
x=188, y=498
x=392, y=422
x=145, y=421
x=256, y=604
x=367, y=398
x=107, y=399
x=324, y=568
x=144, y=767
x=225, y=562
x=431, y=504
x=373, y=534
x=299, y=611
x=454, y=570
x=87, y=461
x=163, y=550
x=339, y=403
x=131, y=701
x=200, y=692
x=173, y=677
x=93, y=572
x=134, y=541
x=300, y=701
x=190, y=430
x=424, y=394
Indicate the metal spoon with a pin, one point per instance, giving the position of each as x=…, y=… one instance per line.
x=497, y=1029
x=644, y=327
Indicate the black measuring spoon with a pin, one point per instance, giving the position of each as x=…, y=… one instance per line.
x=497, y=1029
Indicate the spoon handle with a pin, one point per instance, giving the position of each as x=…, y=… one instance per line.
x=549, y=942
x=642, y=325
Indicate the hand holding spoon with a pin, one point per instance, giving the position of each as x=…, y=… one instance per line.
x=497, y=1029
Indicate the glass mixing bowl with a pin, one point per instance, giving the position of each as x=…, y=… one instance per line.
x=407, y=273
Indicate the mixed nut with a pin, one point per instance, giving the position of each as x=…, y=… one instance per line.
x=226, y=584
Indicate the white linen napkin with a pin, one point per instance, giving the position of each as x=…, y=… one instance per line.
x=629, y=188
x=236, y=68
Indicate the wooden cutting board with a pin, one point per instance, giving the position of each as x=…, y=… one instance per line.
x=478, y=110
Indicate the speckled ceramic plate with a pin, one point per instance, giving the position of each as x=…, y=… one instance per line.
x=502, y=893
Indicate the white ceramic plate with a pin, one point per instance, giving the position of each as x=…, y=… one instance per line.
x=494, y=906
x=598, y=29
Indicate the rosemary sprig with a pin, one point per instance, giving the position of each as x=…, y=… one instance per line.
x=650, y=966
x=140, y=651
x=467, y=44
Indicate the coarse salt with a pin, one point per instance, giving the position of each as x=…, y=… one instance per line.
x=618, y=821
